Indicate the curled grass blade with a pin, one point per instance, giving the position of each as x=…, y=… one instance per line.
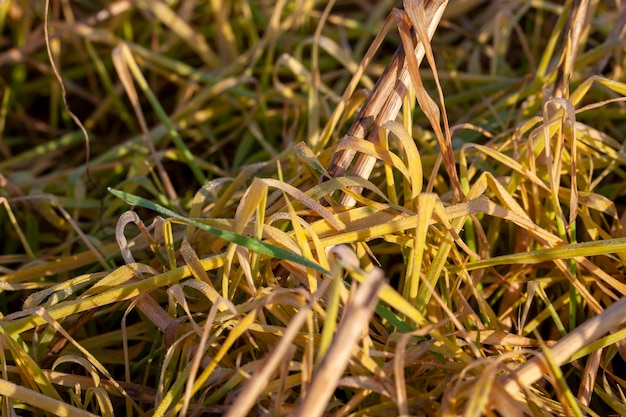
x=40, y=401
x=252, y=244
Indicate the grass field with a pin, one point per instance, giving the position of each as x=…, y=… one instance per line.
x=308, y=208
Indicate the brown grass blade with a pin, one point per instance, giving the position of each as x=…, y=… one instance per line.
x=610, y=319
x=355, y=319
x=384, y=102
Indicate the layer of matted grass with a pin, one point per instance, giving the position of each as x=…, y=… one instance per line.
x=213, y=249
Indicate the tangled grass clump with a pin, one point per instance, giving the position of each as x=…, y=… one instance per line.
x=260, y=209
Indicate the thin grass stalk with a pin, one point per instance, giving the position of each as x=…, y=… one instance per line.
x=594, y=328
x=384, y=102
x=355, y=318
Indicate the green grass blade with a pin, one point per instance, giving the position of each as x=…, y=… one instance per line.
x=586, y=249
x=252, y=244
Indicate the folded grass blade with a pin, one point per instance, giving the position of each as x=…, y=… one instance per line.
x=252, y=244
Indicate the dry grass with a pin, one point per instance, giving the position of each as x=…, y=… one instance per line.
x=274, y=214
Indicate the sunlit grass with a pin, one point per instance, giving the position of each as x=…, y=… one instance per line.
x=215, y=250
